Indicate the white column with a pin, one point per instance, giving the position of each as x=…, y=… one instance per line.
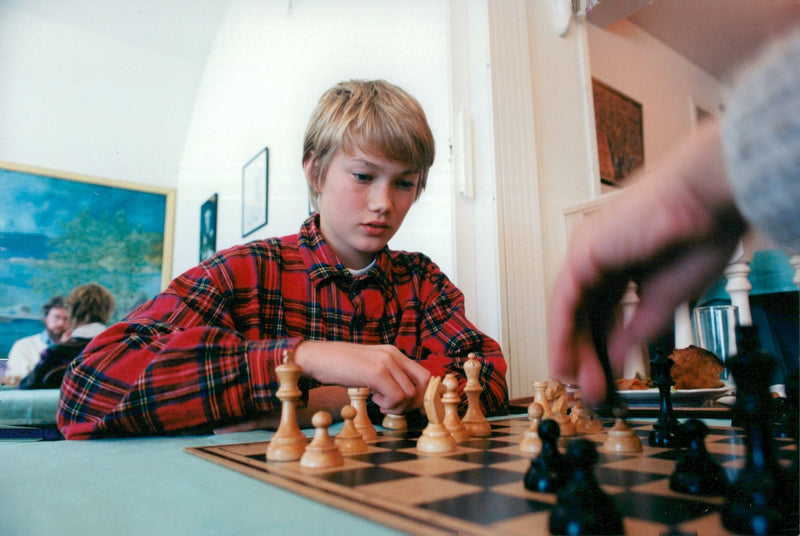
x=636, y=360
x=738, y=288
x=683, y=326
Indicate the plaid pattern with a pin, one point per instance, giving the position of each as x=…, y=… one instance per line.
x=203, y=353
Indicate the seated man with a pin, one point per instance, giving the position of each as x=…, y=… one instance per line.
x=25, y=352
x=90, y=307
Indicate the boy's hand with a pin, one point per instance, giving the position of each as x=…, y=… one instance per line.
x=396, y=382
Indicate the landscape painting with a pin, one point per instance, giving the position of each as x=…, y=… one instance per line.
x=60, y=230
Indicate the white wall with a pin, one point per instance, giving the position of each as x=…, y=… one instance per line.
x=101, y=88
x=269, y=64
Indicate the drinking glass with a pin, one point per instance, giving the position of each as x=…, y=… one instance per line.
x=715, y=330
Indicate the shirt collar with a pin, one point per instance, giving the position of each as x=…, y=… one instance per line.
x=46, y=338
x=322, y=263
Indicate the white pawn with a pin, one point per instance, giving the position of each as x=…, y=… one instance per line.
x=584, y=419
x=392, y=421
x=621, y=438
x=531, y=443
x=322, y=451
x=451, y=400
x=349, y=439
x=540, y=397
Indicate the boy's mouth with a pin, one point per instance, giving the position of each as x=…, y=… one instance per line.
x=375, y=228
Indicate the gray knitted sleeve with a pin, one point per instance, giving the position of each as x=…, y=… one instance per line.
x=761, y=140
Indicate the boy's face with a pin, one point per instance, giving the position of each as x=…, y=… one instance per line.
x=363, y=200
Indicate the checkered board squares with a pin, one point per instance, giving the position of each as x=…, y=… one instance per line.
x=479, y=489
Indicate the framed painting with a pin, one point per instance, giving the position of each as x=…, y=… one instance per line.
x=255, y=188
x=208, y=228
x=620, y=138
x=59, y=230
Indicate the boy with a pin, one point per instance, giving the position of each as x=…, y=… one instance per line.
x=203, y=353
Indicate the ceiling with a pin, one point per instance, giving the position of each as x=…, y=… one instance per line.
x=715, y=35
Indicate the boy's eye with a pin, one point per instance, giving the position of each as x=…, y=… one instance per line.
x=406, y=185
x=362, y=177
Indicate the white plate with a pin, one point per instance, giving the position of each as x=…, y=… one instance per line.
x=682, y=397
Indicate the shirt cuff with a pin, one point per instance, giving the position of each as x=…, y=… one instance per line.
x=262, y=358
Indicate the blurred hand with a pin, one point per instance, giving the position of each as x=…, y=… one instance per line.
x=672, y=232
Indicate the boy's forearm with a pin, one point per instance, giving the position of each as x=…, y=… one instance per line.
x=192, y=380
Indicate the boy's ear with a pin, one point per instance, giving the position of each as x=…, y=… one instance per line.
x=312, y=178
x=308, y=166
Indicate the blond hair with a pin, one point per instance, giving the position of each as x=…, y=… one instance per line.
x=374, y=116
x=89, y=303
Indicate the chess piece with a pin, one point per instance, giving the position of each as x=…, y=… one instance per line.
x=451, y=400
x=349, y=439
x=474, y=419
x=322, y=452
x=435, y=438
x=578, y=411
x=547, y=471
x=792, y=473
x=582, y=507
x=288, y=443
x=667, y=430
x=540, y=397
x=557, y=394
x=621, y=438
x=696, y=471
x=395, y=422
x=531, y=443
x=358, y=399
x=583, y=418
x=755, y=503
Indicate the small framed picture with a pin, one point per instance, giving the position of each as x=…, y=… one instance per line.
x=208, y=228
x=620, y=134
x=255, y=187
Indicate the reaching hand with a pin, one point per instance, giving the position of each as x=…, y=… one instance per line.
x=672, y=232
x=396, y=382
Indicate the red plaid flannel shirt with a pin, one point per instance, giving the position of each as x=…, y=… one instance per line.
x=203, y=353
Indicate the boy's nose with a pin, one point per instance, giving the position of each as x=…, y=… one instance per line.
x=380, y=198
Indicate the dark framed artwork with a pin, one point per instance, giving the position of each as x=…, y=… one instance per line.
x=620, y=137
x=255, y=188
x=208, y=228
x=67, y=230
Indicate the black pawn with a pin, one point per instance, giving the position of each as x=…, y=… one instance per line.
x=756, y=500
x=667, y=430
x=696, y=471
x=547, y=471
x=582, y=507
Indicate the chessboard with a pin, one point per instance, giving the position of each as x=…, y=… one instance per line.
x=479, y=488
